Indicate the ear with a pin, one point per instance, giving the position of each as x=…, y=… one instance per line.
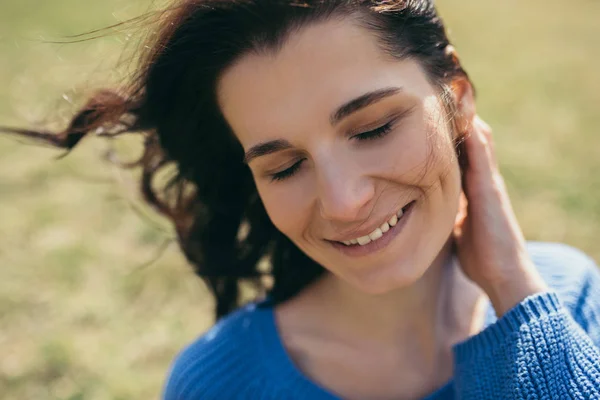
x=464, y=98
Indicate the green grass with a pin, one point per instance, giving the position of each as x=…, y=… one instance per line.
x=82, y=318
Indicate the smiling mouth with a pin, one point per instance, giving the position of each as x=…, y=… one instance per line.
x=381, y=231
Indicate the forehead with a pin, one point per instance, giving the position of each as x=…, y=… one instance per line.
x=264, y=96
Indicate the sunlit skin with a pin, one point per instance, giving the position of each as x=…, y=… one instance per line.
x=381, y=324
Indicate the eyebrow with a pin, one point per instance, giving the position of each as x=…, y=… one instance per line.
x=361, y=102
x=262, y=149
x=365, y=100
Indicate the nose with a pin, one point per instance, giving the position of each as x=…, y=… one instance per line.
x=344, y=194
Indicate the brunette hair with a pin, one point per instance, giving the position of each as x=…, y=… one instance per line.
x=221, y=224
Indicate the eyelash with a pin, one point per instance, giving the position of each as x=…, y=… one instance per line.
x=286, y=173
x=369, y=135
x=375, y=133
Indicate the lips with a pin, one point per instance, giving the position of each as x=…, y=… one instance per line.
x=360, y=250
x=380, y=231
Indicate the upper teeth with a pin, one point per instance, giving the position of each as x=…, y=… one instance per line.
x=378, y=232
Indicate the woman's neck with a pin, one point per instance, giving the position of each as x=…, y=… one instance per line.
x=420, y=322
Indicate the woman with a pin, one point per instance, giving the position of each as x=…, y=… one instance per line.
x=339, y=140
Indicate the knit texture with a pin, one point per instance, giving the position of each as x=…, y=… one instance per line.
x=546, y=347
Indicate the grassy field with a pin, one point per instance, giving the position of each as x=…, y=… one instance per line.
x=81, y=314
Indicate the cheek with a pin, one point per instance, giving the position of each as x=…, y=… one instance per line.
x=436, y=153
x=443, y=170
x=443, y=179
x=419, y=153
x=284, y=207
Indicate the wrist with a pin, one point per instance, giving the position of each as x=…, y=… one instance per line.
x=506, y=294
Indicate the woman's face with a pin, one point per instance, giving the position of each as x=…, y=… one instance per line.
x=340, y=140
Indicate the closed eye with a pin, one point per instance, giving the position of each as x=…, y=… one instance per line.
x=369, y=135
x=375, y=133
x=384, y=129
x=288, y=172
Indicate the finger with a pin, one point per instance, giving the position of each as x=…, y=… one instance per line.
x=487, y=131
x=479, y=149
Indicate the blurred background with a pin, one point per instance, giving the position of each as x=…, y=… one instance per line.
x=95, y=300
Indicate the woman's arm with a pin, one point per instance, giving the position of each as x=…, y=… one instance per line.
x=536, y=350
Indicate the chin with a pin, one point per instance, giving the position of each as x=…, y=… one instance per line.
x=384, y=279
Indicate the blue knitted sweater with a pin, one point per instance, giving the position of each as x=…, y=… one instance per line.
x=546, y=347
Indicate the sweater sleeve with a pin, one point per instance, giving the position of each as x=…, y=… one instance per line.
x=535, y=351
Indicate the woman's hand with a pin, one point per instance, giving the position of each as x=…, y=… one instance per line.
x=491, y=246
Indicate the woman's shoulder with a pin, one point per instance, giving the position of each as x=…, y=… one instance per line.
x=575, y=278
x=562, y=266
x=225, y=359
